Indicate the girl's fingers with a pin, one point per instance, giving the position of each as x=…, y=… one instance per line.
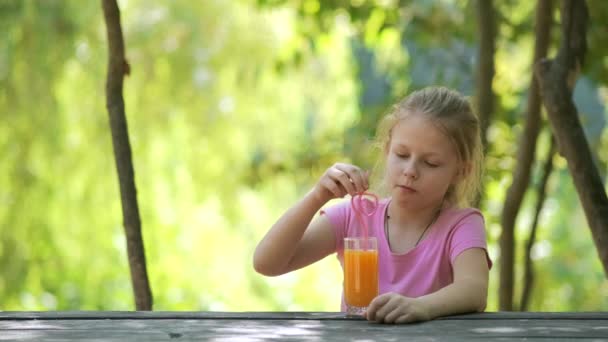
x=342, y=192
x=354, y=175
x=343, y=179
x=358, y=180
x=376, y=304
x=389, y=308
x=334, y=188
x=392, y=316
x=382, y=312
x=405, y=318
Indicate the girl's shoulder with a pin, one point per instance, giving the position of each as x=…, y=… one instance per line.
x=454, y=216
x=459, y=212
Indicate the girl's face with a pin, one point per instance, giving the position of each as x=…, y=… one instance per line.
x=421, y=163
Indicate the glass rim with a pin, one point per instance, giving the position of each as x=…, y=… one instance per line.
x=355, y=238
x=361, y=243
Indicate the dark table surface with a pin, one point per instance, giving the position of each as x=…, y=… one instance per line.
x=295, y=326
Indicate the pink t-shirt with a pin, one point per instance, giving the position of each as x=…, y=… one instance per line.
x=427, y=267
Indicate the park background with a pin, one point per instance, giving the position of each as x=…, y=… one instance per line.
x=235, y=108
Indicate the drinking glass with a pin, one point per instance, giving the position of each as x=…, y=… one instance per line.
x=360, y=273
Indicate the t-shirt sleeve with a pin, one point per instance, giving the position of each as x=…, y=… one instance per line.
x=339, y=216
x=469, y=232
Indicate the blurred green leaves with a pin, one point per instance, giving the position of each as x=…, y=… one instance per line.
x=234, y=110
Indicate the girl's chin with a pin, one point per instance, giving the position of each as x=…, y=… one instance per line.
x=404, y=199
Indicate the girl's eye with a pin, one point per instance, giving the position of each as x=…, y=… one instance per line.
x=433, y=165
x=402, y=155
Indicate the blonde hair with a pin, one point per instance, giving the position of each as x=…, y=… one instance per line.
x=451, y=112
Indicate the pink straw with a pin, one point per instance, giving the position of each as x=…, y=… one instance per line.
x=364, y=204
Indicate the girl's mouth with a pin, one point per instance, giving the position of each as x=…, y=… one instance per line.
x=407, y=188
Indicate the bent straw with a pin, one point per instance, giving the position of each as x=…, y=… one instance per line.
x=358, y=204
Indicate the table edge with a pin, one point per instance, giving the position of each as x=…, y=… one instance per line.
x=270, y=315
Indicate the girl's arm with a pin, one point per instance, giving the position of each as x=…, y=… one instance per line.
x=294, y=241
x=468, y=293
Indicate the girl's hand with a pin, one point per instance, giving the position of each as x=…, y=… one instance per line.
x=340, y=180
x=395, y=308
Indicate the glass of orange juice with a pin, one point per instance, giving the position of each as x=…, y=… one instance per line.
x=360, y=273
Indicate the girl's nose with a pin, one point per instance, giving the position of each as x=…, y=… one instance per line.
x=410, y=171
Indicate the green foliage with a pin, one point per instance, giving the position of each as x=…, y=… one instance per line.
x=234, y=110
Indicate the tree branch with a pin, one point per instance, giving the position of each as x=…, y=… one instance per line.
x=485, y=72
x=557, y=79
x=540, y=200
x=117, y=68
x=525, y=158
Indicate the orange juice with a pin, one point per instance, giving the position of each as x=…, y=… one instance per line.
x=360, y=276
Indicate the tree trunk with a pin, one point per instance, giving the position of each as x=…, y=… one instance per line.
x=117, y=68
x=557, y=78
x=485, y=73
x=540, y=200
x=525, y=158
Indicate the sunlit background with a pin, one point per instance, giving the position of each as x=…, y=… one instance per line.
x=235, y=108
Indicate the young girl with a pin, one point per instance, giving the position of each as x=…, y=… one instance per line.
x=432, y=252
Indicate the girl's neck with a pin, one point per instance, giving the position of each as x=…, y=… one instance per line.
x=414, y=218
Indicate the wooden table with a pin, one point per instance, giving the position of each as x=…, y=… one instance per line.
x=294, y=326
